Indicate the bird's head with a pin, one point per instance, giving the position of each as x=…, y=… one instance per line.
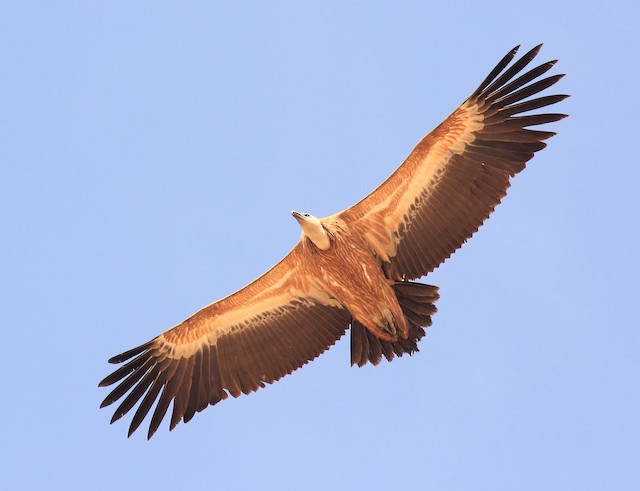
x=312, y=229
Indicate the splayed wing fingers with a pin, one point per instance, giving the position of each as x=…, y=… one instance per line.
x=457, y=175
x=235, y=346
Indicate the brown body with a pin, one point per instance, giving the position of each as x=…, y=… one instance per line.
x=381, y=313
x=351, y=269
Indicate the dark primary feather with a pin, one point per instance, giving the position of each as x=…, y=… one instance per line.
x=474, y=182
x=494, y=73
x=240, y=362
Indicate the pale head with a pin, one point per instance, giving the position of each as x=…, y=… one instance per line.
x=312, y=229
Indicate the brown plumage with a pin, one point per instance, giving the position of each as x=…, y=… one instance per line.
x=352, y=269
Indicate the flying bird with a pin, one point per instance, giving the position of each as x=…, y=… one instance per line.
x=354, y=269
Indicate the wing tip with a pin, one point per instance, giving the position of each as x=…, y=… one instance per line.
x=110, y=379
x=116, y=416
x=560, y=98
x=114, y=360
x=535, y=50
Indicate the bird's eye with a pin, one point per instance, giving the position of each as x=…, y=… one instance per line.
x=306, y=214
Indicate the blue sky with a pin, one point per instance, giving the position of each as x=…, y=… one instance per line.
x=150, y=155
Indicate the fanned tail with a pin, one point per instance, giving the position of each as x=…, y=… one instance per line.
x=417, y=301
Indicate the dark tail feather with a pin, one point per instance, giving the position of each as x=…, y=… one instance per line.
x=418, y=305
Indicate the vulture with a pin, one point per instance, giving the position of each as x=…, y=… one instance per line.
x=352, y=270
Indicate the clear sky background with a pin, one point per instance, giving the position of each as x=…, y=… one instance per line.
x=150, y=153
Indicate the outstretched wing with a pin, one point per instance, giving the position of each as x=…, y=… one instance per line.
x=457, y=175
x=234, y=346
